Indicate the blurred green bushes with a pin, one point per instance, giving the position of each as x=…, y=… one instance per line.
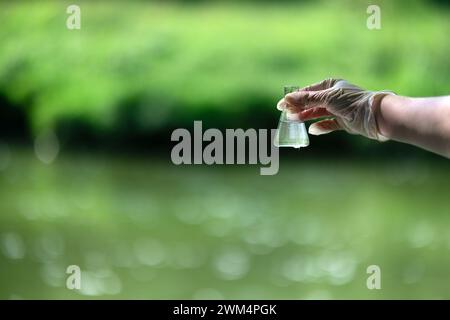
x=145, y=67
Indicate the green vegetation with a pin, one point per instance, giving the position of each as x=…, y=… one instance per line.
x=159, y=65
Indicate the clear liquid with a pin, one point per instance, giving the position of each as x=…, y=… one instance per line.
x=291, y=133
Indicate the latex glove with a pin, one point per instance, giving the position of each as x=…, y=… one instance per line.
x=352, y=108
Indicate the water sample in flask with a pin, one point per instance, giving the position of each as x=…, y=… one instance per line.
x=290, y=133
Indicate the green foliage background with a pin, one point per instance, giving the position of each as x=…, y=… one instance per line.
x=144, y=67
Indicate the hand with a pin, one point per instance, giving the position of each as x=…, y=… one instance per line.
x=351, y=108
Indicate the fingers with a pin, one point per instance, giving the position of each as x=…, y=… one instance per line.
x=302, y=100
x=281, y=105
x=314, y=113
x=304, y=115
x=308, y=105
x=308, y=97
x=324, y=126
x=322, y=85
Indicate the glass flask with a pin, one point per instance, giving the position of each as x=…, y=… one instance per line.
x=290, y=133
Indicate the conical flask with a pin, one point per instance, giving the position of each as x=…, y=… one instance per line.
x=290, y=133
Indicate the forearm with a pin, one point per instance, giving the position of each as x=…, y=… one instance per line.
x=423, y=122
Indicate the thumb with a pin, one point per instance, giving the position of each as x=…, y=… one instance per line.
x=324, y=126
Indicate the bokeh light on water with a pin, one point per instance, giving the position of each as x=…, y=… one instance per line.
x=5, y=156
x=142, y=228
x=46, y=146
x=13, y=246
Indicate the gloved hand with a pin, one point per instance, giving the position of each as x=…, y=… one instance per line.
x=352, y=109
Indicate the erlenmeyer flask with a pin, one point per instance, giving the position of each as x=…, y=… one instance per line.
x=290, y=133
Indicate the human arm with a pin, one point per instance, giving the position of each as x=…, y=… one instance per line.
x=379, y=115
x=423, y=122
